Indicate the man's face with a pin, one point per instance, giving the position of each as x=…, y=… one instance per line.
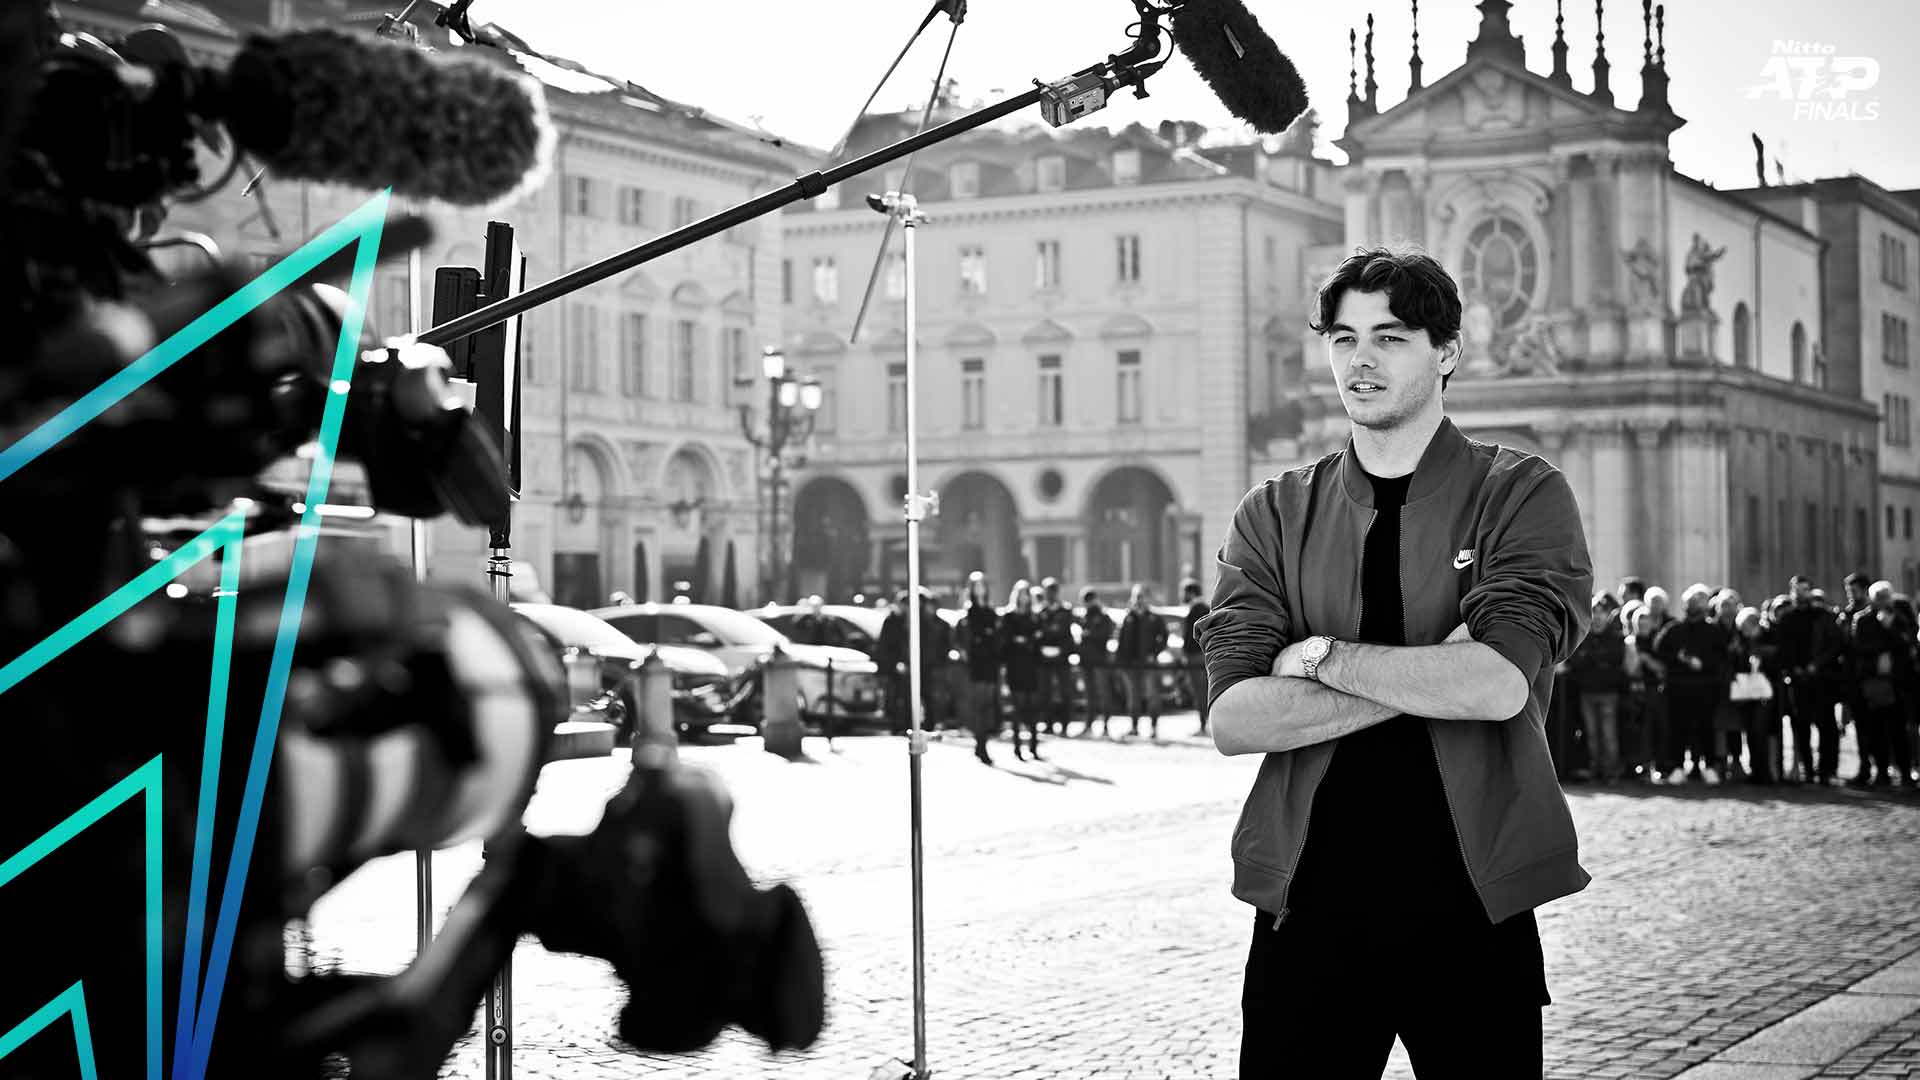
x=1856, y=595
x=1388, y=373
x=1800, y=591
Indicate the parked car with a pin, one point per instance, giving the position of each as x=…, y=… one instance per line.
x=599, y=659
x=743, y=643
x=849, y=626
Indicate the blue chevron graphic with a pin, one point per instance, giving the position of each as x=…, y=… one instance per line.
x=199, y=1001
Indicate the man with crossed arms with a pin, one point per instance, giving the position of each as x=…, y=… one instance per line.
x=1384, y=630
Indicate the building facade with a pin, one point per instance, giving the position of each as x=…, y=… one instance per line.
x=1664, y=343
x=636, y=474
x=1871, y=303
x=1093, y=310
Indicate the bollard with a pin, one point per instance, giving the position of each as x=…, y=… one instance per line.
x=780, y=727
x=826, y=722
x=651, y=702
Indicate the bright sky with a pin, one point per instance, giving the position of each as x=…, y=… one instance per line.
x=803, y=68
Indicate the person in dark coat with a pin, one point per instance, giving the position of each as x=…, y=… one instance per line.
x=1096, y=661
x=1020, y=652
x=936, y=641
x=811, y=626
x=1143, y=636
x=1694, y=649
x=1879, y=652
x=1194, y=659
x=1809, y=641
x=978, y=639
x=1056, y=657
x=890, y=655
x=1598, y=671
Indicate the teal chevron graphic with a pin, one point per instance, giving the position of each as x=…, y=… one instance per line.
x=200, y=991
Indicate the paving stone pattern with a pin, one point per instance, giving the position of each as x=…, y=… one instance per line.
x=1079, y=923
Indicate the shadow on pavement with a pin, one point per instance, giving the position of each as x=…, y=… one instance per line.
x=1056, y=775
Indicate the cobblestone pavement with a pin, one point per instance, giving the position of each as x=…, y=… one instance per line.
x=1079, y=923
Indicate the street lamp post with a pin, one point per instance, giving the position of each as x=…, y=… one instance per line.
x=792, y=403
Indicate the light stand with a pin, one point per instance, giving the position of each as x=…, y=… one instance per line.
x=905, y=209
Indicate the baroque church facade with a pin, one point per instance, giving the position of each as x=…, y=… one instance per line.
x=1660, y=341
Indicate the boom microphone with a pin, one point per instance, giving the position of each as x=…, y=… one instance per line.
x=1242, y=65
x=324, y=105
x=370, y=113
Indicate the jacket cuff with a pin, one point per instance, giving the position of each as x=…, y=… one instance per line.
x=1520, y=649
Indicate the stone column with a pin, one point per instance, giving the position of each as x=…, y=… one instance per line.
x=1650, y=507
x=1703, y=541
x=1614, y=506
x=1572, y=454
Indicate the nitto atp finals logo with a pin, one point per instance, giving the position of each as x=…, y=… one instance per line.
x=1821, y=84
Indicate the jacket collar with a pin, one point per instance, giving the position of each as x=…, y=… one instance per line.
x=1447, y=447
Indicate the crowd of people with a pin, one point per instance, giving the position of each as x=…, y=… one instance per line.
x=1706, y=693
x=1039, y=664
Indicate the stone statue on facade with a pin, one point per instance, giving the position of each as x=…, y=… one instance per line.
x=1533, y=350
x=1643, y=274
x=1699, y=267
x=1476, y=339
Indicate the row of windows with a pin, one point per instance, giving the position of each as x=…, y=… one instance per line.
x=1893, y=340
x=1810, y=534
x=1798, y=353
x=1893, y=260
x=591, y=197
x=687, y=356
x=1049, y=175
x=1047, y=275
x=1050, y=396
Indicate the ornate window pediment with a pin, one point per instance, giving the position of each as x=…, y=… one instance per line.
x=1046, y=332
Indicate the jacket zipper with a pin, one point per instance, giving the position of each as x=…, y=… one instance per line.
x=1301, y=848
x=1434, y=741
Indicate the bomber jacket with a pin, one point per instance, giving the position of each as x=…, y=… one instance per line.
x=1490, y=537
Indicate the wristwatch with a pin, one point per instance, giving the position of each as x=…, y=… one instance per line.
x=1312, y=652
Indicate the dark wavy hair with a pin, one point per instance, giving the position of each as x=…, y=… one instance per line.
x=1419, y=292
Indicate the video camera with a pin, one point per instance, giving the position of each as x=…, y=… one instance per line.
x=393, y=715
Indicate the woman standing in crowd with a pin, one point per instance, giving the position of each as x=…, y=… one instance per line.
x=1646, y=685
x=1750, y=654
x=1020, y=651
x=1142, y=637
x=979, y=642
x=1096, y=663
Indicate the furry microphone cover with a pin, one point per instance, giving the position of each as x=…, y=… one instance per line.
x=324, y=105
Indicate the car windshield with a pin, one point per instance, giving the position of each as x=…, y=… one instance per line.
x=867, y=619
x=734, y=627
x=576, y=628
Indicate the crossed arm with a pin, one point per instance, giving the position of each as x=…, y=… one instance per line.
x=1361, y=685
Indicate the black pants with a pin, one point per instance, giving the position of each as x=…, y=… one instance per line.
x=1813, y=712
x=1324, y=998
x=1056, y=691
x=1197, y=686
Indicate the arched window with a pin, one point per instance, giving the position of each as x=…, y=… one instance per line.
x=1501, y=268
x=1799, y=349
x=1742, y=336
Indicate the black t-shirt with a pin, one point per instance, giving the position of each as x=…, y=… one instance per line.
x=1381, y=839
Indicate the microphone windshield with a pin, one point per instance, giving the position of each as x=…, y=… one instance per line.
x=329, y=106
x=1245, y=69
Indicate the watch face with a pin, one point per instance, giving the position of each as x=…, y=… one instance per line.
x=1316, y=649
